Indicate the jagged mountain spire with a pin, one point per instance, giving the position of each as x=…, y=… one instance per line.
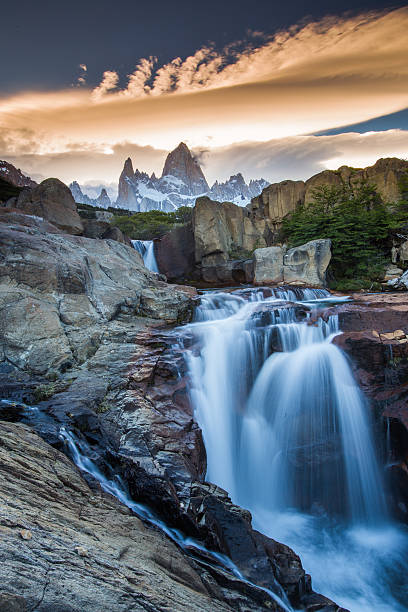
x=181, y=164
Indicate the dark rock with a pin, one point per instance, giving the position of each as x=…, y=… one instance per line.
x=53, y=201
x=175, y=253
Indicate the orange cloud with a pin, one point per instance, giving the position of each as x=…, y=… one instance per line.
x=310, y=78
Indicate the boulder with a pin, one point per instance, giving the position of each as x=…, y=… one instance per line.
x=303, y=265
x=53, y=201
x=175, y=253
x=268, y=265
x=401, y=282
x=308, y=263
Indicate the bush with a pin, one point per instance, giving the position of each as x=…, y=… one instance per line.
x=152, y=224
x=359, y=225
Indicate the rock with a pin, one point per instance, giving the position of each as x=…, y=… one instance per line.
x=268, y=265
x=183, y=166
x=308, y=263
x=59, y=292
x=375, y=328
x=103, y=199
x=53, y=201
x=88, y=548
x=220, y=229
x=303, y=265
x=400, y=282
x=392, y=272
x=94, y=228
x=14, y=176
x=175, y=253
x=403, y=252
x=277, y=200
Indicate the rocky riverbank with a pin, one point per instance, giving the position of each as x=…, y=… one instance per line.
x=86, y=336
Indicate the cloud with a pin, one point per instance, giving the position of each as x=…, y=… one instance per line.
x=109, y=82
x=288, y=158
x=311, y=78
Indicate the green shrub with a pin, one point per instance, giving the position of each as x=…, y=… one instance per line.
x=359, y=225
x=152, y=224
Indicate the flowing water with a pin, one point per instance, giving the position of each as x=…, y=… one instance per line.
x=86, y=459
x=288, y=435
x=146, y=250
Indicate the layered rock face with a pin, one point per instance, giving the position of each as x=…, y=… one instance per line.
x=182, y=180
x=87, y=551
x=53, y=201
x=59, y=291
x=279, y=199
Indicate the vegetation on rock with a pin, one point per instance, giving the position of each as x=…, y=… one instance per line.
x=152, y=224
x=359, y=225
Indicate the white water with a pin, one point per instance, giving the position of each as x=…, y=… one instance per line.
x=82, y=454
x=288, y=435
x=146, y=250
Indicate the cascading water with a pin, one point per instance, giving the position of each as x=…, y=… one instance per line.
x=146, y=250
x=83, y=457
x=287, y=433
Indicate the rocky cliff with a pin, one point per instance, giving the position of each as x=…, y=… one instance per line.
x=279, y=199
x=14, y=175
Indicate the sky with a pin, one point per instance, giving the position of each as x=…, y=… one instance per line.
x=263, y=88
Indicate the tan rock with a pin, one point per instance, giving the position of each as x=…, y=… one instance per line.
x=25, y=534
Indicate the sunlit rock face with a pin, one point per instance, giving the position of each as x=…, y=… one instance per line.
x=181, y=182
x=279, y=199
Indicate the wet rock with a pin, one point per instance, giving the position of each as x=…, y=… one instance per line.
x=87, y=548
x=375, y=338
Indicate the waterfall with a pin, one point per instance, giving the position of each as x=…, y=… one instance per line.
x=288, y=435
x=146, y=250
x=112, y=483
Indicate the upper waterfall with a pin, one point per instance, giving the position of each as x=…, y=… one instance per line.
x=146, y=249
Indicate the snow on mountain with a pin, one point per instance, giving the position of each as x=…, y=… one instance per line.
x=14, y=175
x=181, y=182
x=103, y=200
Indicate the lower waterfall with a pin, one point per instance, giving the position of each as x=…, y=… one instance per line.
x=146, y=250
x=288, y=435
